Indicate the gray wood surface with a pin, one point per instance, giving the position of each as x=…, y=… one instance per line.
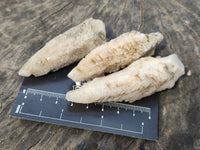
x=26, y=25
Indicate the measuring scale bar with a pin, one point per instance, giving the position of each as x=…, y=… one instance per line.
x=110, y=104
x=43, y=99
x=118, y=118
x=43, y=93
x=127, y=107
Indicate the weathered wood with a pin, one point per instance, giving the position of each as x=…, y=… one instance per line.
x=25, y=26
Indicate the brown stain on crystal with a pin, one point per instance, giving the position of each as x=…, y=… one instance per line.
x=93, y=61
x=137, y=75
x=78, y=69
x=108, y=85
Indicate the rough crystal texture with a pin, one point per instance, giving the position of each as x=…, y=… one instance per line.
x=66, y=48
x=115, y=54
x=140, y=79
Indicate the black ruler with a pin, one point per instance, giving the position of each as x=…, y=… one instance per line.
x=43, y=99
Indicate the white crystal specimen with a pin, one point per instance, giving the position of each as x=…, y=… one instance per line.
x=66, y=48
x=115, y=54
x=142, y=78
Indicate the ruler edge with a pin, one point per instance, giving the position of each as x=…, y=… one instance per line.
x=69, y=126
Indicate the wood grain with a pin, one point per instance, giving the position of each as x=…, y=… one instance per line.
x=26, y=25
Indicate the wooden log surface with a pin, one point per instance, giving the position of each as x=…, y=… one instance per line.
x=26, y=25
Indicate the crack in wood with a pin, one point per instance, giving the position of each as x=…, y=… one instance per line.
x=183, y=6
x=6, y=35
x=5, y=108
x=100, y=10
x=194, y=40
x=59, y=10
x=120, y=14
x=34, y=144
x=141, y=15
x=171, y=45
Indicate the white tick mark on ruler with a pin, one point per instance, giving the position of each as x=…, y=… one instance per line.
x=102, y=109
x=101, y=120
x=149, y=114
x=24, y=91
x=121, y=126
x=133, y=113
x=56, y=102
x=81, y=120
x=117, y=110
x=17, y=109
x=21, y=107
x=41, y=98
x=40, y=113
x=61, y=113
